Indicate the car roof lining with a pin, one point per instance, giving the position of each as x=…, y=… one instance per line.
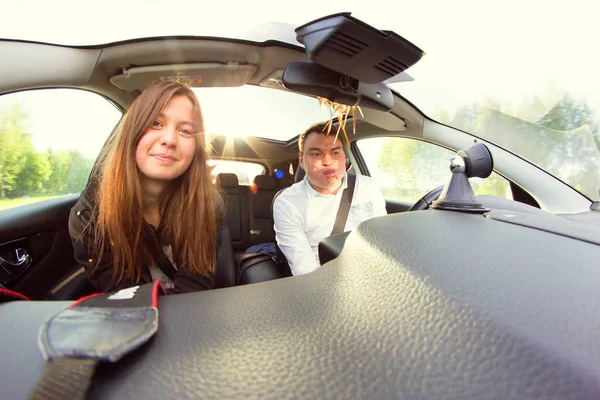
x=91, y=68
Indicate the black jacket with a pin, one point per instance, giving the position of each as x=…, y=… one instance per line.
x=101, y=276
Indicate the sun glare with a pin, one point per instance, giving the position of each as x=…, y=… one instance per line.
x=257, y=111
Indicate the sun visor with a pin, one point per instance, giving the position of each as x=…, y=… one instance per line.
x=384, y=120
x=231, y=74
x=347, y=45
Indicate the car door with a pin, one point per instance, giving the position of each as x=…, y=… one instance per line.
x=49, y=141
x=407, y=169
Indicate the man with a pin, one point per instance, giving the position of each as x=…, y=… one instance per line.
x=305, y=213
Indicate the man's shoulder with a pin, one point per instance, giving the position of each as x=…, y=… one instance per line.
x=292, y=199
x=291, y=192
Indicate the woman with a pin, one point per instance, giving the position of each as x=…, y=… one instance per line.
x=150, y=210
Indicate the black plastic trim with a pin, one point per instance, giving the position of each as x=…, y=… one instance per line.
x=31, y=219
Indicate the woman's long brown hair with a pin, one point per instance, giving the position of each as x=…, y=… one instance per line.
x=189, y=216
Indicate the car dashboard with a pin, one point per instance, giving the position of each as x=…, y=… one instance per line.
x=426, y=304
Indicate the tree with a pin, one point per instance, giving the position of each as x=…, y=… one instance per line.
x=60, y=163
x=33, y=175
x=79, y=172
x=15, y=142
x=70, y=172
x=558, y=141
x=569, y=114
x=413, y=166
x=395, y=153
x=23, y=171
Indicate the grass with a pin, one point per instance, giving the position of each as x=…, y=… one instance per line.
x=5, y=204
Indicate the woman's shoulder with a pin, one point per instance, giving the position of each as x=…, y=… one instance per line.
x=81, y=213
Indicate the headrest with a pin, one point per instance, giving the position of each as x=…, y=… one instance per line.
x=266, y=182
x=299, y=174
x=227, y=180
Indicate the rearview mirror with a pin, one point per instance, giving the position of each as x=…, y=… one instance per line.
x=313, y=79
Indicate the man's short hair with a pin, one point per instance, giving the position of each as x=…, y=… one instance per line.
x=318, y=128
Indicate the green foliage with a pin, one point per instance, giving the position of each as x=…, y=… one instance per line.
x=14, y=143
x=79, y=172
x=396, y=153
x=397, y=160
x=561, y=138
x=70, y=171
x=413, y=167
x=569, y=114
x=25, y=172
x=35, y=172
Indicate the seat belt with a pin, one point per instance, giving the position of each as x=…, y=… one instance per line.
x=340, y=218
x=100, y=327
x=252, y=228
x=344, y=208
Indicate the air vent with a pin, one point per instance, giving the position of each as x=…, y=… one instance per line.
x=391, y=66
x=345, y=44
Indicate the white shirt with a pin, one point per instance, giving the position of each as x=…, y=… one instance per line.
x=303, y=217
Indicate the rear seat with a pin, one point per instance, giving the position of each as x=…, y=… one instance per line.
x=251, y=223
x=250, y=219
x=261, y=221
x=236, y=200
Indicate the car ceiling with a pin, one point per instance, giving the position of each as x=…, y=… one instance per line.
x=32, y=65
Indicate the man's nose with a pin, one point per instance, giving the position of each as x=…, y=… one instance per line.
x=327, y=159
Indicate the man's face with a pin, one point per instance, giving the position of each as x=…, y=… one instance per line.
x=324, y=162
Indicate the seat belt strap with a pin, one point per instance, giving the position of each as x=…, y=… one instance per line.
x=101, y=327
x=65, y=378
x=344, y=208
x=252, y=231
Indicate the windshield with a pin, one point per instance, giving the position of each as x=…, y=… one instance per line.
x=522, y=74
x=257, y=111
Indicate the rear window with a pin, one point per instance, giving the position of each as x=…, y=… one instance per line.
x=245, y=171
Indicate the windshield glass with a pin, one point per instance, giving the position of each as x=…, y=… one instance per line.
x=522, y=74
x=257, y=111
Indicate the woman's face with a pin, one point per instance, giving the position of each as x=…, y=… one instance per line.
x=167, y=148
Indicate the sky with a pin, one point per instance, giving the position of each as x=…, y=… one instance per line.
x=475, y=50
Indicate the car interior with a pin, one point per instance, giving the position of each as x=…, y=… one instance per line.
x=453, y=295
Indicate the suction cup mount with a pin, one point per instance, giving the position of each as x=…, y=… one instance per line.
x=476, y=161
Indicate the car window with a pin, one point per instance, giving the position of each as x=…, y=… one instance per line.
x=245, y=171
x=49, y=141
x=288, y=113
x=406, y=169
